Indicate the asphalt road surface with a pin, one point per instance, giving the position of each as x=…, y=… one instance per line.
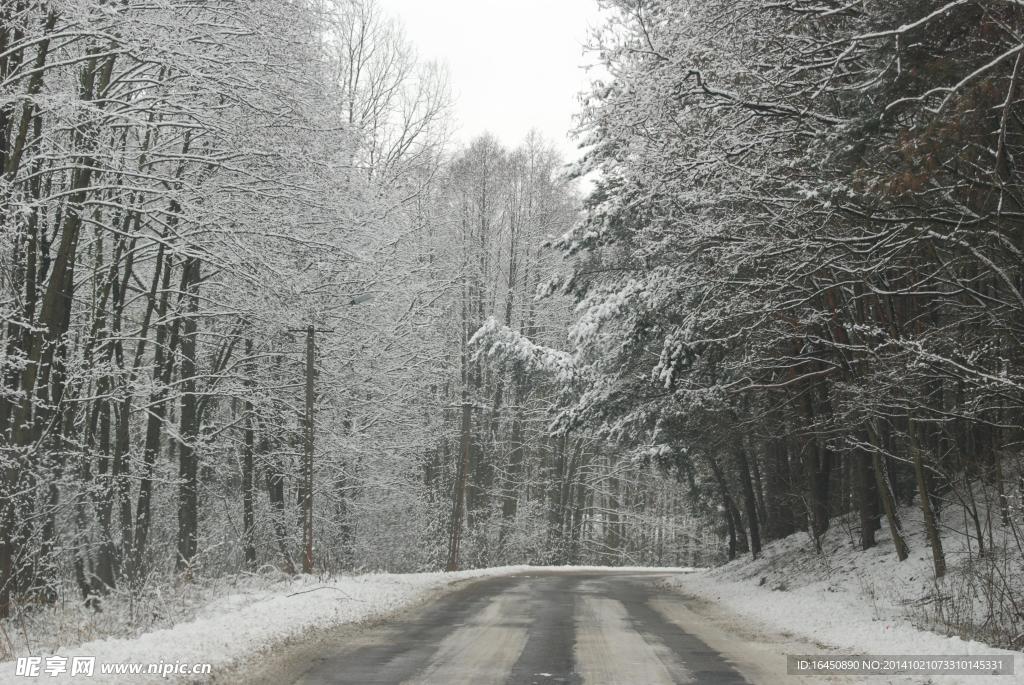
x=545, y=628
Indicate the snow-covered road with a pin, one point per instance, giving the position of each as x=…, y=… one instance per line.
x=520, y=625
x=598, y=628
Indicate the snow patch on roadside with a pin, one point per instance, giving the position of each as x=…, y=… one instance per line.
x=845, y=600
x=232, y=628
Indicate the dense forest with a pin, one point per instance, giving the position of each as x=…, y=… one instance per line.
x=187, y=189
x=799, y=277
x=793, y=291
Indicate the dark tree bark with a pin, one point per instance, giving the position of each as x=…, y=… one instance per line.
x=188, y=457
x=867, y=499
x=248, y=448
x=749, y=501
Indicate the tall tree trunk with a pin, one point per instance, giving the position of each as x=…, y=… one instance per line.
x=188, y=459
x=867, y=499
x=275, y=492
x=459, y=496
x=737, y=535
x=248, y=447
x=749, y=501
x=888, y=501
x=930, y=524
x=163, y=366
x=777, y=497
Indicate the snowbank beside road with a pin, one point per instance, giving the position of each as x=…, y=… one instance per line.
x=845, y=600
x=255, y=618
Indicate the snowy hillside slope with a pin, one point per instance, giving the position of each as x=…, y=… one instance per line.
x=868, y=602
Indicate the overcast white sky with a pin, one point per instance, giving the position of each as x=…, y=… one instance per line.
x=514, y=64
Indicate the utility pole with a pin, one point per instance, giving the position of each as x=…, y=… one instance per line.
x=307, y=461
x=308, y=432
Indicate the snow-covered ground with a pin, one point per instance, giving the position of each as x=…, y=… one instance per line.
x=789, y=601
x=848, y=601
x=225, y=623
x=224, y=631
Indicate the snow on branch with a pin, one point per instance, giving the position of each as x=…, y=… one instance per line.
x=501, y=342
